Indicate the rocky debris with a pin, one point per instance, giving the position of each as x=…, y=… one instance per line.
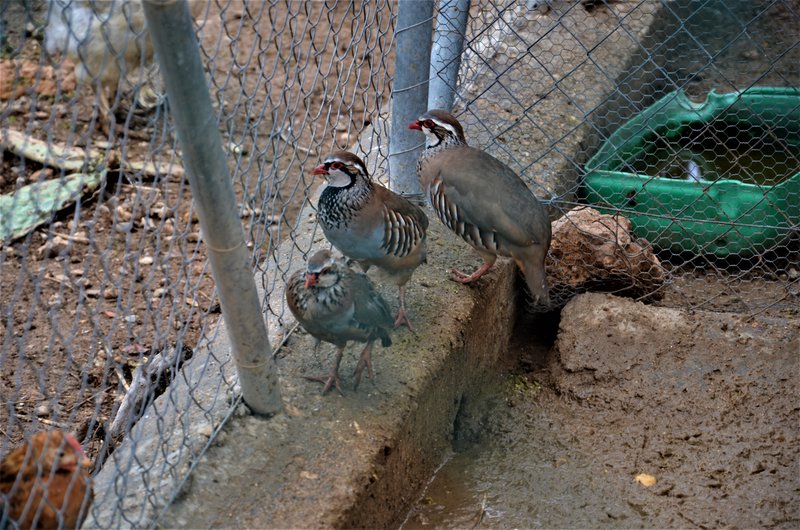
x=598, y=252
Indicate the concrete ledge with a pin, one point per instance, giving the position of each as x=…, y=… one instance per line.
x=334, y=461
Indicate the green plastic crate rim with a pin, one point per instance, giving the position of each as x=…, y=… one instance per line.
x=724, y=217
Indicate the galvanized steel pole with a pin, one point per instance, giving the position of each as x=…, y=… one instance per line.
x=176, y=47
x=412, y=56
x=448, y=43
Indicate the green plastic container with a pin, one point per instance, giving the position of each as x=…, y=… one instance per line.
x=720, y=217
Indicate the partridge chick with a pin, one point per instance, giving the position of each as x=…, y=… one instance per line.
x=483, y=201
x=335, y=304
x=371, y=224
x=45, y=483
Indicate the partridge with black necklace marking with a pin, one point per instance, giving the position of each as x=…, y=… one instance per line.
x=371, y=224
x=483, y=201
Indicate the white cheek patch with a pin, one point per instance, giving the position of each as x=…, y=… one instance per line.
x=430, y=138
x=338, y=178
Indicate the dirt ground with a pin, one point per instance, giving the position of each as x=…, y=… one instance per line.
x=703, y=403
x=90, y=297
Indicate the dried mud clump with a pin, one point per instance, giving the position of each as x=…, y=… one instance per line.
x=597, y=252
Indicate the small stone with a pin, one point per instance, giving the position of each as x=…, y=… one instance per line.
x=146, y=260
x=751, y=55
x=123, y=228
x=123, y=214
x=754, y=467
x=148, y=224
x=206, y=429
x=104, y=210
x=161, y=211
x=110, y=294
x=55, y=301
x=645, y=480
x=43, y=410
x=54, y=247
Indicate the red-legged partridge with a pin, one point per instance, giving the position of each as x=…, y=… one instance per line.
x=336, y=304
x=371, y=224
x=483, y=201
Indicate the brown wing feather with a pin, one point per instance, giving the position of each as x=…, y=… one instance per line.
x=488, y=195
x=370, y=308
x=405, y=224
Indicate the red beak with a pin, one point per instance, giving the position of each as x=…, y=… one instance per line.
x=319, y=170
x=311, y=279
x=415, y=125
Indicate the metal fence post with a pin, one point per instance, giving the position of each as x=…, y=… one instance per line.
x=448, y=43
x=176, y=46
x=412, y=55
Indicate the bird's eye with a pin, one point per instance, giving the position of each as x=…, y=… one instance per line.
x=336, y=165
x=428, y=124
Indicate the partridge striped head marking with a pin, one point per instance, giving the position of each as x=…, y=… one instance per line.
x=439, y=125
x=321, y=270
x=341, y=169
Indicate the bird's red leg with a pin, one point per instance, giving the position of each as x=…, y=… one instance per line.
x=365, y=360
x=460, y=277
x=401, y=317
x=331, y=379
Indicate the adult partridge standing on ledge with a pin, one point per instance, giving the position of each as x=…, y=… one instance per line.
x=336, y=304
x=484, y=201
x=371, y=224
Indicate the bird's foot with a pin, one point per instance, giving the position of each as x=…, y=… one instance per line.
x=461, y=277
x=329, y=381
x=401, y=319
x=365, y=360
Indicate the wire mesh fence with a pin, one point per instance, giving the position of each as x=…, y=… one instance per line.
x=107, y=294
x=545, y=85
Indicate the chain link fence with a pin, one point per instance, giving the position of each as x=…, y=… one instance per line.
x=107, y=293
x=544, y=86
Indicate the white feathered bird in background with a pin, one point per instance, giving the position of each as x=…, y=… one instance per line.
x=106, y=39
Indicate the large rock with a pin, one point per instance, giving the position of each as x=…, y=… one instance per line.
x=598, y=252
